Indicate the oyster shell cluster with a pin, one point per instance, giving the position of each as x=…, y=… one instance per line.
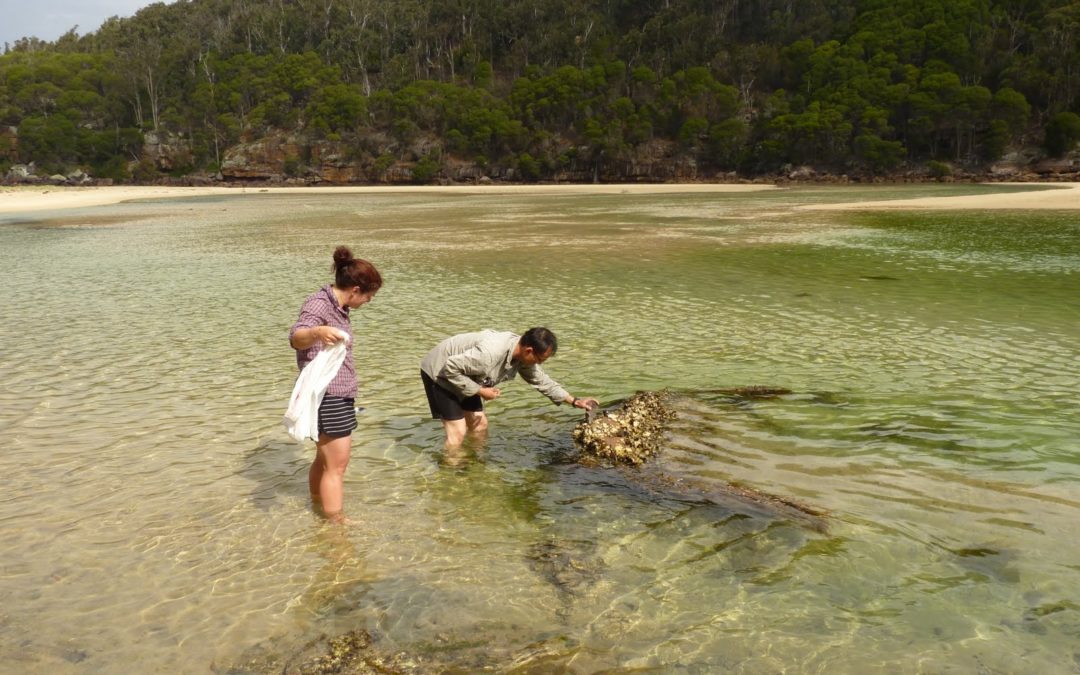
x=351, y=653
x=630, y=433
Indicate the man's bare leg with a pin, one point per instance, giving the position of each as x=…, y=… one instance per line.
x=455, y=433
x=477, y=424
x=474, y=425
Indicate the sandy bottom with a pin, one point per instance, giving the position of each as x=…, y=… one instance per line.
x=22, y=199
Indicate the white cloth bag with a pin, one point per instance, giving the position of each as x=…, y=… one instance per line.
x=302, y=416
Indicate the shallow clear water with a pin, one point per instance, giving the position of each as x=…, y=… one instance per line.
x=155, y=515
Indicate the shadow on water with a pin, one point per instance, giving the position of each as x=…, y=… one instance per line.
x=341, y=584
x=277, y=468
x=519, y=491
x=340, y=587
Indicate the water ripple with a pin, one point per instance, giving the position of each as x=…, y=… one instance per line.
x=153, y=496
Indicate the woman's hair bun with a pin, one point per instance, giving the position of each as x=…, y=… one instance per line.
x=342, y=256
x=350, y=272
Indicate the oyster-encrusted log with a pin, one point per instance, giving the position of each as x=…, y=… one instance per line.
x=630, y=433
x=633, y=433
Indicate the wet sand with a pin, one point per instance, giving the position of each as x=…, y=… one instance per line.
x=38, y=198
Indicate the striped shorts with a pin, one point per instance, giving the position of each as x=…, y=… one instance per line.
x=337, y=417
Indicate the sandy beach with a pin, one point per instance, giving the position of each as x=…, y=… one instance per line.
x=28, y=199
x=32, y=199
x=1062, y=196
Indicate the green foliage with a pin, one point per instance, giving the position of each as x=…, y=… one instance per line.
x=382, y=164
x=994, y=141
x=528, y=167
x=1011, y=108
x=293, y=167
x=484, y=77
x=554, y=85
x=939, y=170
x=878, y=154
x=726, y=143
x=336, y=107
x=474, y=119
x=1062, y=134
x=114, y=168
x=426, y=169
x=693, y=131
x=144, y=171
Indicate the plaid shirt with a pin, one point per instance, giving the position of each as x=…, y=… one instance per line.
x=322, y=309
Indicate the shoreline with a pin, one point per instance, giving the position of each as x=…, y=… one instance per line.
x=1058, y=196
x=37, y=198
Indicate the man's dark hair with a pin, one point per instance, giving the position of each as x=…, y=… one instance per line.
x=541, y=340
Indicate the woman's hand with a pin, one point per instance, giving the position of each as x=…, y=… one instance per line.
x=489, y=393
x=305, y=338
x=328, y=334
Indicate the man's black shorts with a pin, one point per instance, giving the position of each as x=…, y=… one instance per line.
x=445, y=405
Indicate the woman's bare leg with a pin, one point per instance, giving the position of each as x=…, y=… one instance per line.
x=326, y=477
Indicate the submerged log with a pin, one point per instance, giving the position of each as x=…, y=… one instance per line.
x=632, y=432
x=753, y=391
x=728, y=495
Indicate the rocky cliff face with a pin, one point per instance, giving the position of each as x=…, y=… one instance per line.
x=288, y=158
x=294, y=159
x=262, y=159
x=27, y=174
x=167, y=152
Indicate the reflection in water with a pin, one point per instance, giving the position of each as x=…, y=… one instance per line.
x=931, y=359
x=472, y=449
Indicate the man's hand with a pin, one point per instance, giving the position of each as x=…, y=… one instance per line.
x=489, y=393
x=586, y=403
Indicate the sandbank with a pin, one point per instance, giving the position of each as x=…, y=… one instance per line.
x=38, y=198
x=26, y=199
x=1063, y=196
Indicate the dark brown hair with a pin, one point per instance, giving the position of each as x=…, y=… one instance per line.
x=350, y=271
x=541, y=340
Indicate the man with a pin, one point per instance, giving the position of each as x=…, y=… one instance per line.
x=461, y=372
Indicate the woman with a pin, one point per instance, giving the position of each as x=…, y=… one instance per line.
x=355, y=283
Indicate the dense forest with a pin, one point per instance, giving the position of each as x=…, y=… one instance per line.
x=530, y=90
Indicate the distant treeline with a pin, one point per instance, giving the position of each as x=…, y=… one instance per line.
x=729, y=85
